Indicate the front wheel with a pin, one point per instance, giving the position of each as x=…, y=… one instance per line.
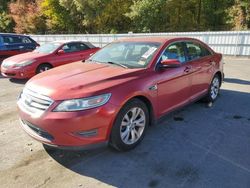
x=214, y=89
x=43, y=67
x=130, y=125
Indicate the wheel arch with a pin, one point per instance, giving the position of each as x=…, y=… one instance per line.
x=149, y=105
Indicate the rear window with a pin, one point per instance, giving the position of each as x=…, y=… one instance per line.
x=196, y=51
x=26, y=40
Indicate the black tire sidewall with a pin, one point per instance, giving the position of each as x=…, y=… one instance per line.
x=115, y=137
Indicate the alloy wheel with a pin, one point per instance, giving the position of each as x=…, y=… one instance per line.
x=215, y=86
x=132, y=125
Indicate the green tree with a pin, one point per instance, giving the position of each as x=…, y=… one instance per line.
x=6, y=21
x=214, y=16
x=58, y=18
x=27, y=16
x=112, y=18
x=148, y=15
x=239, y=15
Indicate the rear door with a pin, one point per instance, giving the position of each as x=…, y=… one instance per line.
x=202, y=63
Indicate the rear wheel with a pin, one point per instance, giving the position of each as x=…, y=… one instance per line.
x=214, y=89
x=43, y=67
x=130, y=125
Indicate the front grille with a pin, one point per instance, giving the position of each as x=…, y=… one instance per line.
x=33, y=102
x=38, y=130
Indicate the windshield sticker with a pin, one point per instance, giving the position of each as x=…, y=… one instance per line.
x=149, y=52
x=141, y=62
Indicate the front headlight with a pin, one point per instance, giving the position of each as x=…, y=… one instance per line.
x=24, y=63
x=82, y=104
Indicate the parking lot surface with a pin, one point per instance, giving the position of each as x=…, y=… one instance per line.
x=197, y=146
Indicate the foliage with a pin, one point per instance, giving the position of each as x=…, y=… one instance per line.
x=27, y=16
x=240, y=15
x=119, y=16
x=6, y=21
x=148, y=15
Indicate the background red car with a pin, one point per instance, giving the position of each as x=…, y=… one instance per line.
x=46, y=57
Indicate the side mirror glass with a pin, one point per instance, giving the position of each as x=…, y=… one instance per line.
x=170, y=63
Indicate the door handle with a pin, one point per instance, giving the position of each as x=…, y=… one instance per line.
x=187, y=69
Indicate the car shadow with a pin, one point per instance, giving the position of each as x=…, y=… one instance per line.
x=237, y=81
x=18, y=81
x=177, y=151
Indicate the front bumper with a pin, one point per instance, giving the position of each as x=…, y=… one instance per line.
x=21, y=73
x=67, y=129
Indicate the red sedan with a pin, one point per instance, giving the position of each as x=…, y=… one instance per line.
x=46, y=57
x=118, y=92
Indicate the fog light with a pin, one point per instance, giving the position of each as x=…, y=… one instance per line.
x=87, y=134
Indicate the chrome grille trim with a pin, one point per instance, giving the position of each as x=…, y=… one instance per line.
x=33, y=102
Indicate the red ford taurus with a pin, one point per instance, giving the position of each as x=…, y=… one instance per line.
x=46, y=57
x=118, y=92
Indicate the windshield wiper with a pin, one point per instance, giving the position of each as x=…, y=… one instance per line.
x=119, y=64
x=91, y=60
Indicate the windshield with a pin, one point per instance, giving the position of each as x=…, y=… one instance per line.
x=129, y=54
x=47, y=48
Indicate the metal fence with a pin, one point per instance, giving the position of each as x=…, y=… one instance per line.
x=235, y=43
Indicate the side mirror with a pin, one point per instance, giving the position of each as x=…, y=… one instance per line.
x=170, y=63
x=60, y=52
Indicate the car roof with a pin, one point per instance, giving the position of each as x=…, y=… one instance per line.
x=12, y=34
x=161, y=39
x=67, y=41
x=72, y=41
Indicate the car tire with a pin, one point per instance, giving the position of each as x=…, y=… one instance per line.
x=214, y=89
x=130, y=125
x=43, y=67
x=49, y=148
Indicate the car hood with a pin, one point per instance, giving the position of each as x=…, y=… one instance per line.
x=23, y=57
x=78, y=80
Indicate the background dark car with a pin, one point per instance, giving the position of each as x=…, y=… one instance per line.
x=13, y=44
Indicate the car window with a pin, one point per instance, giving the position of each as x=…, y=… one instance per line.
x=82, y=46
x=71, y=47
x=26, y=40
x=174, y=51
x=12, y=39
x=196, y=51
x=1, y=40
x=205, y=51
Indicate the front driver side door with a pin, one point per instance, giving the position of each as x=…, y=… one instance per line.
x=174, y=84
x=71, y=54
